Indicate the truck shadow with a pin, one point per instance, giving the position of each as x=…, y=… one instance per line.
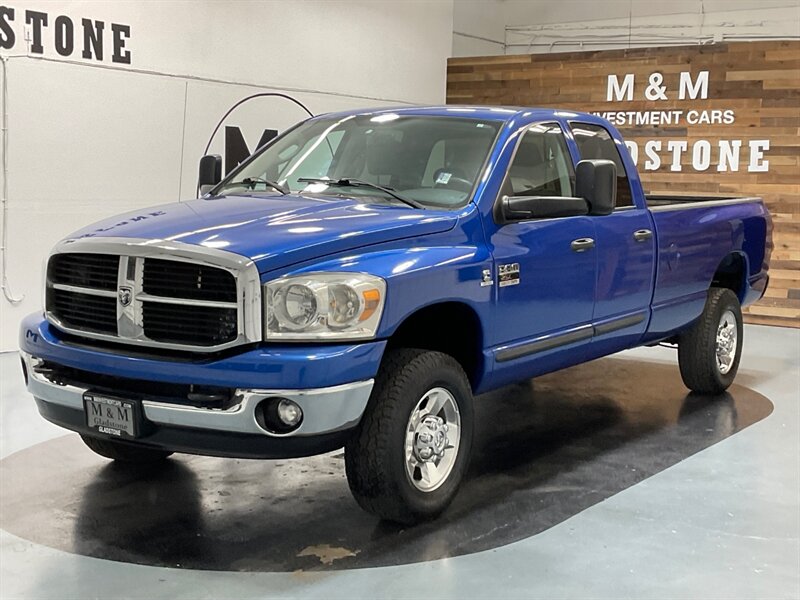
x=543, y=452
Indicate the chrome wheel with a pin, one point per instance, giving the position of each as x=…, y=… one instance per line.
x=727, y=340
x=432, y=439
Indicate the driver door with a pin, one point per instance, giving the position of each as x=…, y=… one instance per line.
x=545, y=300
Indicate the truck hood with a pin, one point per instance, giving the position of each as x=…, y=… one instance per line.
x=275, y=231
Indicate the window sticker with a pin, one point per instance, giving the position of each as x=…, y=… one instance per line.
x=443, y=177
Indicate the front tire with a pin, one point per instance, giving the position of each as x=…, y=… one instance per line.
x=411, y=450
x=709, y=353
x=124, y=453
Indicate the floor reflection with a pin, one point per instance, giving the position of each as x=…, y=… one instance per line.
x=544, y=451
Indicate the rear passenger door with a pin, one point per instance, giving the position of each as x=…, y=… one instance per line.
x=625, y=247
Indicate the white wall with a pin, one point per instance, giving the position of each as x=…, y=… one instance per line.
x=479, y=27
x=89, y=139
x=533, y=26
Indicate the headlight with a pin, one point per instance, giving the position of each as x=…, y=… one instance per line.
x=323, y=306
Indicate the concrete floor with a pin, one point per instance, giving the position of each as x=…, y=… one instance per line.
x=706, y=504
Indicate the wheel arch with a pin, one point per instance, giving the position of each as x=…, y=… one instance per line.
x=731, y=273
x=451, y=327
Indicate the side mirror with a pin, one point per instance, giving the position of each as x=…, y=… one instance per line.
x=521, y=208
x=210, y=173
x=596, y=181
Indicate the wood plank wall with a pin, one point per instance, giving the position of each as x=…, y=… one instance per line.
x=758, y=81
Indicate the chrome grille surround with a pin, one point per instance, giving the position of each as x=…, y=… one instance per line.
x=132, y=252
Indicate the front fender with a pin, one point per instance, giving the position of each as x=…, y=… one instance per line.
x=421, y=276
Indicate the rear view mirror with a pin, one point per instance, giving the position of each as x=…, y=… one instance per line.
x=596, y=181
x=210, y=173
x=521, y=208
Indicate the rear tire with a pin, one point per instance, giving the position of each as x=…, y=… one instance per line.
x=124, y=453
x=709, y=352
x=412, y=447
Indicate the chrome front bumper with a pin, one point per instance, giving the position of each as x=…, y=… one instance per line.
x=325, y=410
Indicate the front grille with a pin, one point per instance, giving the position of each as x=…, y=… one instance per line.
x=187, y=280
x=144, y=300
x=84, y=311
x=97, y=271
x=193, y=325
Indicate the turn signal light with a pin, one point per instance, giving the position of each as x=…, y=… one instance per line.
x=372, y=299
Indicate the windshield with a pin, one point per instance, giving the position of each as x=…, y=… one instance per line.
x=419, y=161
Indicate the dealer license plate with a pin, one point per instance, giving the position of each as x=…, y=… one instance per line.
x=112, y=416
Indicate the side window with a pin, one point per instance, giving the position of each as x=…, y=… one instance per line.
x=594, y=141
x=542, y=165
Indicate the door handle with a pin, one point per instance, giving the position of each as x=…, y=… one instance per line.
x=642, y=235
x=582, y=244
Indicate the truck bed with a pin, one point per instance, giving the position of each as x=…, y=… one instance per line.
x=658, y=200
x=695, y=234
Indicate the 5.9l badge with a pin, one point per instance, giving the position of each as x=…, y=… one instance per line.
x=508, y=274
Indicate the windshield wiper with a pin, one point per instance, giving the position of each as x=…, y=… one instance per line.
x=252, y=181
x=351, y=182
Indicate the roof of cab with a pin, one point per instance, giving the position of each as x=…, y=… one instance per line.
x=489, y=113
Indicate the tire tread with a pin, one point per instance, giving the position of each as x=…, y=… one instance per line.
x=367, y=452
x=696, y=346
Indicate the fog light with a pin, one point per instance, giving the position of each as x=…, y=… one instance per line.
x=279, y=415
x=289, y=413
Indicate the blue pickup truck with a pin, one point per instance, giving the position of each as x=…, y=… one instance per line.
x=359, y=279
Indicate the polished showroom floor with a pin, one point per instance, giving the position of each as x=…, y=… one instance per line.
x=604, y=481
